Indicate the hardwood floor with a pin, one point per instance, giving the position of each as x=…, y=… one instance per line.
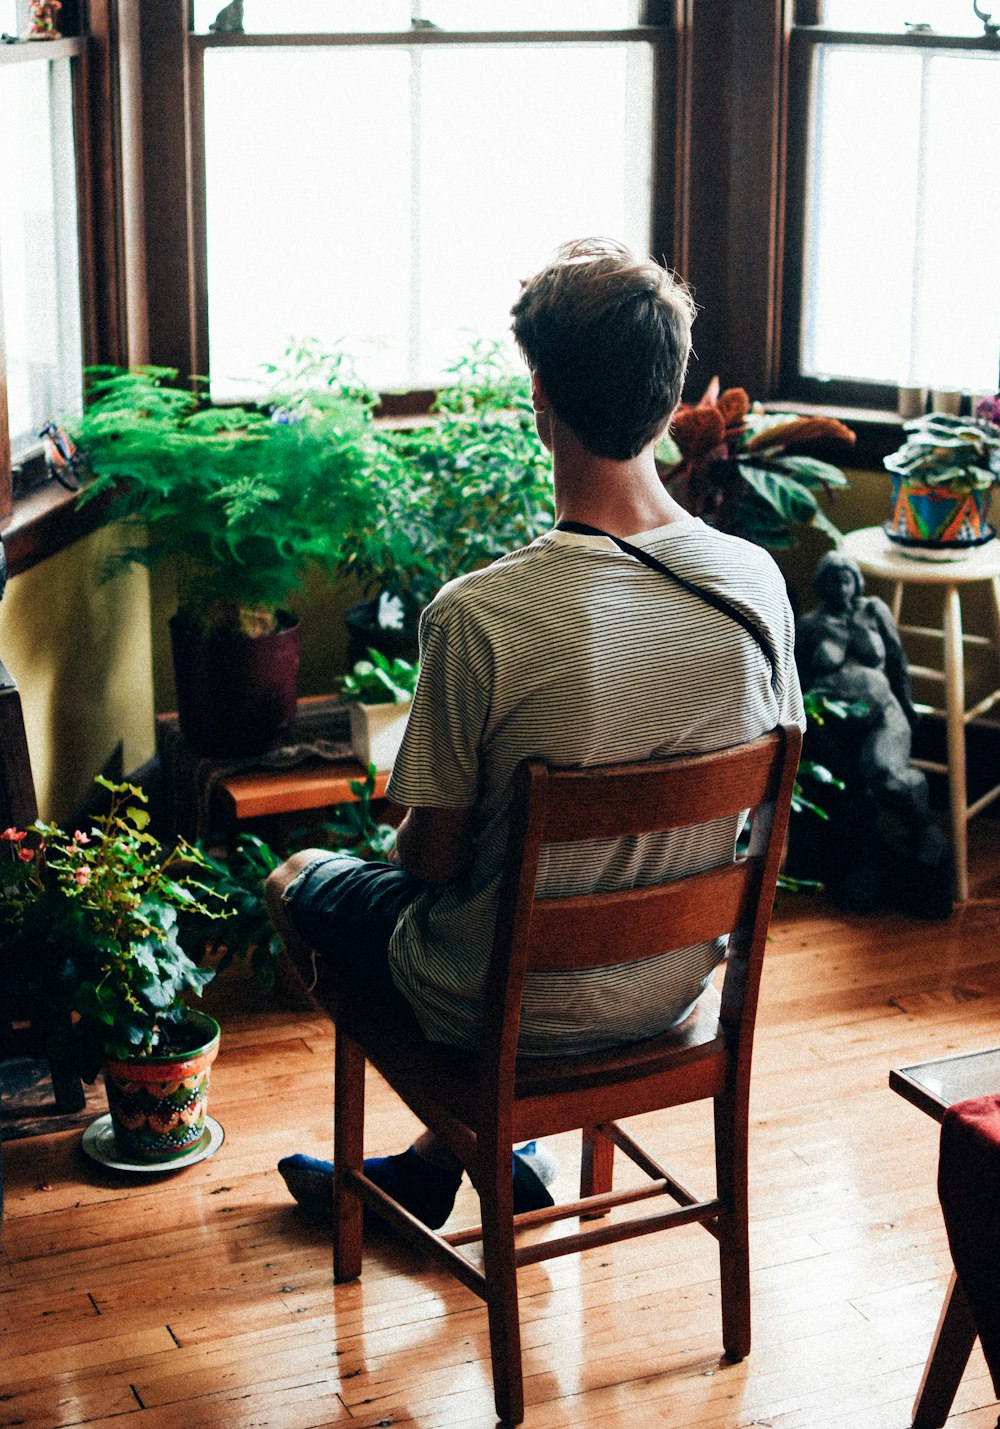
x=204, y=1299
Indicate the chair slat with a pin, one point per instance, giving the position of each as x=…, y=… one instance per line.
x=596, y=929
x=629, y=799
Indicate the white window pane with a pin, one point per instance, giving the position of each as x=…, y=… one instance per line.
x=315, y=244
x=310, y=17
x=901, y=220
x=947, y=17
x=957, y=299
x=531, y=14
x=381, y=225
x=554, y=143
x=38, y=248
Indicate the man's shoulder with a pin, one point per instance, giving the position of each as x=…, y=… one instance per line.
x=506, y=572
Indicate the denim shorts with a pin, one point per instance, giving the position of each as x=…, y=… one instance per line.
x=346, y=910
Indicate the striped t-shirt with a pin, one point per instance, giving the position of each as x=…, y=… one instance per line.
x=572, y=651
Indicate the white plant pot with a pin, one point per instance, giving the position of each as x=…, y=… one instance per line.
x=377, y=732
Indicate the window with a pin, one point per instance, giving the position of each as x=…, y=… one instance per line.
x=384, y=192
x=893, y=205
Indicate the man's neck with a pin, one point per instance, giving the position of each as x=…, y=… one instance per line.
x=620, y=497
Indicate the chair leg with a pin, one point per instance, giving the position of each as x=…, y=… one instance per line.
x=497, y=1211
x=348, y=1151
x=597, y=1167
x=734, y=1229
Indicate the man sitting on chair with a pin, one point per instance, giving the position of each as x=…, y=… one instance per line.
x=574, y=651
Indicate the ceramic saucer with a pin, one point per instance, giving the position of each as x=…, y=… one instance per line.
x=99, y=1144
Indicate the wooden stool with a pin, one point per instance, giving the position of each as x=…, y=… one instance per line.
x=878, y=556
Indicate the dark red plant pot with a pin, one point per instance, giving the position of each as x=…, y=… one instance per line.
x=236, y=694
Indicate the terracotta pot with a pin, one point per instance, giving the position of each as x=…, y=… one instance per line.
x=158, y=1104
x=236, y=694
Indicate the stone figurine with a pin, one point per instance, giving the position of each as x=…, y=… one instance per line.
x=883, y=843
x=229, y=20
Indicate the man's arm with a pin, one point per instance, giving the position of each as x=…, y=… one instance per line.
x=435, y=844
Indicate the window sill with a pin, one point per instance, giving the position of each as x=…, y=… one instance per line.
x=877, y=432
x=44, y=521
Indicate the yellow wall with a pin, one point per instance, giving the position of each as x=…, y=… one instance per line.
x=80, y=653
x=92, y=660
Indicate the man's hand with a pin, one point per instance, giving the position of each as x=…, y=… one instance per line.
x=435, y=844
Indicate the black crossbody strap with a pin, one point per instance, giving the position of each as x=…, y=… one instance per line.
x=710, y=597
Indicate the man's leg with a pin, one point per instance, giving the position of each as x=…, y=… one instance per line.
x=338, y=907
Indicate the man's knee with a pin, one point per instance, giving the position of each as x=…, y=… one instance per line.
x=278, y=881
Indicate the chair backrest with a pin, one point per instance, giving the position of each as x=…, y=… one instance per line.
x=17, y=788
x=615, y=801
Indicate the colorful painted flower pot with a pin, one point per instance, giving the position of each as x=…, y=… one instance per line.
x=936, y=518
x=158, y=1104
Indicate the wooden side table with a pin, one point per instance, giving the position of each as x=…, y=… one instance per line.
x=204, y=793
x=933, y=1087
x=878, y=556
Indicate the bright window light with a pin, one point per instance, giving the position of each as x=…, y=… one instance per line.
x=403, y=193
x=277, y=17
x=946, y=17
x=903, y=210
x=40, y=289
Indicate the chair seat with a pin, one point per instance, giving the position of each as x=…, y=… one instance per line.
x=695, y=1050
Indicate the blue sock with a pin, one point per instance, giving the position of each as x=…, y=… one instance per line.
x=427, y=1191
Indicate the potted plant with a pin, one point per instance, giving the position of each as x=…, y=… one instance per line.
x=244, y=501
x=452, y=493
x=744, y=470
x=943, y=477
x=89, y=929
x=379, y=694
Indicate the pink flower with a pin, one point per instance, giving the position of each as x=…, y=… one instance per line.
x=26, y=854
x=82, y=876
x=13, y=836
x=81, y=838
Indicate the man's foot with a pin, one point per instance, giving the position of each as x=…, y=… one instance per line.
x=425, y=1190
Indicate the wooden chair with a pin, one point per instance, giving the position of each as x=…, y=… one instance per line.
x=481, y=1103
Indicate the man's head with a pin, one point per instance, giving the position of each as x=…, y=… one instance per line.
x=608, y=336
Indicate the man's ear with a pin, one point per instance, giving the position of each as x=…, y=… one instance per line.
x=539, y=396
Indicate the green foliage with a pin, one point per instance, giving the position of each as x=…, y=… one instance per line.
x=458, y=491
x=380, y=680
x=247, y=935
x=953, y=452
x=89, y=928
x=244, y=499
x=819, y=708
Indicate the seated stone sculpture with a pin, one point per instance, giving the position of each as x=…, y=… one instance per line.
x=883, y=844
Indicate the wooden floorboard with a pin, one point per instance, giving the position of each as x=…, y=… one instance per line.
x=203, y=1300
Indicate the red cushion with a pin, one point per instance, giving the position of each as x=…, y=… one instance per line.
x=969, y=1190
